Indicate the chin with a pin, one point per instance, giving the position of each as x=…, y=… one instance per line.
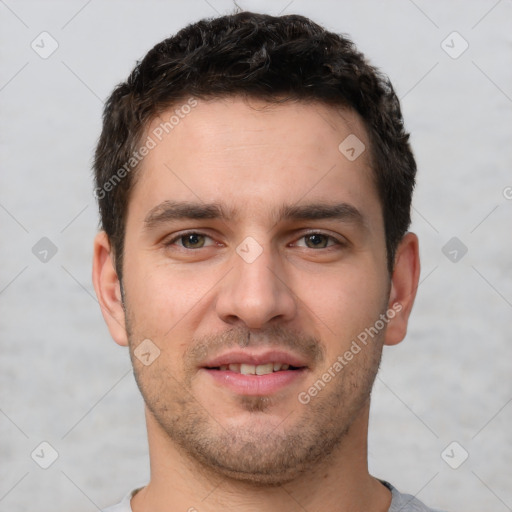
x=270, y=477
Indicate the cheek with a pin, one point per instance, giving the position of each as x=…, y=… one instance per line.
x=161, y=299
x=346, y=303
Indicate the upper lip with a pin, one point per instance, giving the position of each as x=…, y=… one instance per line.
x=255, y=358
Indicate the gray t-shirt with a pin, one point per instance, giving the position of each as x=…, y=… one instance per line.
x=399, y=502
x=403, y=502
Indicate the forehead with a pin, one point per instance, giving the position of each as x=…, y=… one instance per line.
x=252, y=154
x=233, y=119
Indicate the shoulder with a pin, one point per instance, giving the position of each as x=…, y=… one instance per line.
x=405, y=502
x=124, y=505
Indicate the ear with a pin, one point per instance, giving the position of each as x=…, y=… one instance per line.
x=404, y=283
x=108, y=288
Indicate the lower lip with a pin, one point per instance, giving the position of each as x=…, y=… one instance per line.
x=256, y=385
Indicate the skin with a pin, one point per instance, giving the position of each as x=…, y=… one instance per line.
x=210, y=447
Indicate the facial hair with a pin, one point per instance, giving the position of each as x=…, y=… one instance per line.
x=261, y=451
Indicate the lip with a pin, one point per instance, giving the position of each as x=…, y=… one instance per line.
x=255, y=385
x=256, y=358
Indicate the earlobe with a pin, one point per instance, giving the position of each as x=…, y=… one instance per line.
x=404, y=283
x=108, y=288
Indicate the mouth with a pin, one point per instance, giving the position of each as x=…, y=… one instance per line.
x=255, y=374
x=253, y=369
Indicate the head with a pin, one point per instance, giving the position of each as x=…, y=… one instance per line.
x=254, y=181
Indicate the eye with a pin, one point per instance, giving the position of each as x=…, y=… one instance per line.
x=317, y=241
x=191, y=240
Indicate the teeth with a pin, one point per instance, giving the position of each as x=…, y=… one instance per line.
x=264, y=369
x=247, y=369
x=252, y=369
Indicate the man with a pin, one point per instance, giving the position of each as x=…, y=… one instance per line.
x=254, y=181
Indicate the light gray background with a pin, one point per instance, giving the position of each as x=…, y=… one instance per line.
x=64, y=381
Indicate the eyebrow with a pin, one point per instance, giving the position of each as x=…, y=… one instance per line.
x=168, y=211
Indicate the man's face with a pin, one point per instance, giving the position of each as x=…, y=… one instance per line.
x=254, y=245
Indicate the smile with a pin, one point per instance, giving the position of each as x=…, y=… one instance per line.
x=252, y=369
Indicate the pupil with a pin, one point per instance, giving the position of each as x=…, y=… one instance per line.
x=316, y=240
x=193, y=240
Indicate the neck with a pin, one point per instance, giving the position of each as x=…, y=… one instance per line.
x=339, y=482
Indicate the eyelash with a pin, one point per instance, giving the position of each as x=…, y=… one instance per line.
x=172, y=241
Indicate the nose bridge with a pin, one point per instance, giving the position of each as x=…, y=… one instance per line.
x=253, y=293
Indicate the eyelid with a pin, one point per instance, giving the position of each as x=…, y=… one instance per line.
x=338, y=239
x=181, y=234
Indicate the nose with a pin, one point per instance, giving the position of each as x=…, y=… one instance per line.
x=255, y=291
